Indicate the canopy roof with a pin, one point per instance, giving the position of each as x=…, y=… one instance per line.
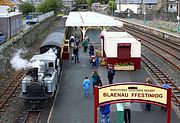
x=91, y=19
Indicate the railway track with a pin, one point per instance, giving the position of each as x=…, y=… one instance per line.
x=8, y=92
x=168, y=55
x=32, y=117
x=162, y=78
x=11, y=90
x=167, y=50
x=170, y=51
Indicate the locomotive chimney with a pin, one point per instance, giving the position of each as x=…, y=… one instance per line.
x=35, y=74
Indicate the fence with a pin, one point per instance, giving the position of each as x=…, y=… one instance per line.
x=44, y=16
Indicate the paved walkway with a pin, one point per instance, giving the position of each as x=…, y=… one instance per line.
x=72, y=107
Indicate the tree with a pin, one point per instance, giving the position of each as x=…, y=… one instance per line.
x=26, y=8
x=80, y=1
x=89, y=2
x=49, y=5
x=102, y=1
x=112, y=5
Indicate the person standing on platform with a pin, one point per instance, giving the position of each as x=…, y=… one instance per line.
x=148, y=105
x=91, y=50
x=166, y=86
x=76, y=54
x=111, y=73
x=72, y=40
x=77, y=41
x=105, y=113
x=85, y=43
x=95, y=78
x=86, y=85
x=127, y=112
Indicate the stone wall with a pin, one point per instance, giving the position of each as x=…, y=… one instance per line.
x=150, y=30
x=25, y=40
x=171, y=17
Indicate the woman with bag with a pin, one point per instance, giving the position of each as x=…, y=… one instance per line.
x=95, y=77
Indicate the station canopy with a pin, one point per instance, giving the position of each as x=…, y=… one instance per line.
x=88, y=19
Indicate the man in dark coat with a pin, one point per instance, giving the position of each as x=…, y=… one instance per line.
x=127, y=112
x=76, y=54
x=111, y=73
x=91, y=50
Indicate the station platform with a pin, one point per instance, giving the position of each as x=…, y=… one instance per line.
x=71, y=106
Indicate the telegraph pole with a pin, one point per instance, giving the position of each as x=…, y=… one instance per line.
x=119, y=7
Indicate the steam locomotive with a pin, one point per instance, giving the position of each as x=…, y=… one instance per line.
x=41, y=79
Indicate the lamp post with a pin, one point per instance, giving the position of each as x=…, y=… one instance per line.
x=128, y=13
x=112, y=9
x=178, y=18
x=119, y=7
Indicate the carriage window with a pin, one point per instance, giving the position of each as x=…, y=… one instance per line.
x=50, y=64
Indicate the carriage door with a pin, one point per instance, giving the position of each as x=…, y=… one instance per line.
x=124, y=50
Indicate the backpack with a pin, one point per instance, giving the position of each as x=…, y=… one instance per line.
x=99, y=82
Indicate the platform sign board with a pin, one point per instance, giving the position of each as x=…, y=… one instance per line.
x=132, y=92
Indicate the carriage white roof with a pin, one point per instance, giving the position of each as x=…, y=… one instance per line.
x=91, y=19
x=112, y=39
x=116, y=35
x=45, y=56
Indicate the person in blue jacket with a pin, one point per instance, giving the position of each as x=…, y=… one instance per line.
x=86, y=84
x=105, y=113
x=166, y=85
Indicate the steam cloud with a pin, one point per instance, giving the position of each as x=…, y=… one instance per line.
x=18, y=63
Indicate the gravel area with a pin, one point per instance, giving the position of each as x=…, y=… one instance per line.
x=164, y=66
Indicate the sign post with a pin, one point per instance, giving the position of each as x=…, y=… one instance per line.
x=169, y=105
x=95, y=103
x=132, y=92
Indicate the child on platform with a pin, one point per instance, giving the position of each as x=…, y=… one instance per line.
x=86, y=84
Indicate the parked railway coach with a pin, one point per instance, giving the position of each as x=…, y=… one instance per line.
x=42, y=77
x=121, y=49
